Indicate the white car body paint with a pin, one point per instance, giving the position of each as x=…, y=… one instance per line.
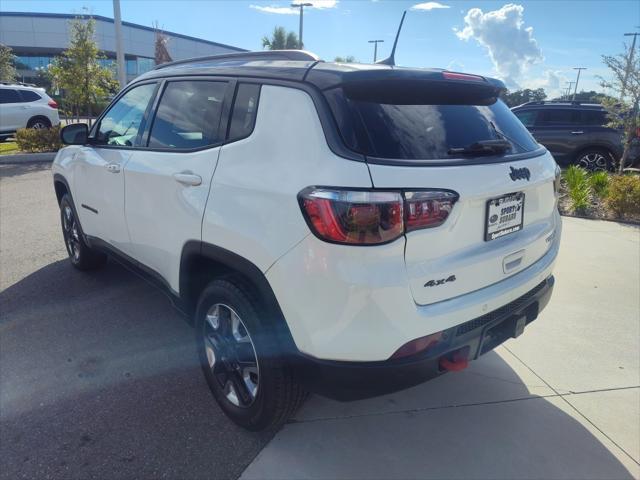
x=340, y=302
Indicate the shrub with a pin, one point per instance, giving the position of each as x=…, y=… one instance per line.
x=578, y=187
x=599, y=182
x=623, y=196
x=42, y=140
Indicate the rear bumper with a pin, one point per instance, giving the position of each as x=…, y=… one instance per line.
x=356, y=380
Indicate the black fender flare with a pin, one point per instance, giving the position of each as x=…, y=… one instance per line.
x=236, y=264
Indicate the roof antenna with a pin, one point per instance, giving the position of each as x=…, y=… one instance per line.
x=391, y=59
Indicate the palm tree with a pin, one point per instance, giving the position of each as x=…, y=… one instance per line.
x=281, y=40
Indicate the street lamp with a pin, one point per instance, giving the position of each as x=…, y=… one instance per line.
x=375, y=48
x=301, y=5
x=575, y=90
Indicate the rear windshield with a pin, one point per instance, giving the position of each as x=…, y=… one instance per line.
x=424, y=131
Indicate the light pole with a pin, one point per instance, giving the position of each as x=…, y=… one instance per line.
x=569, y=89
x=122, y=73
x=629, y=63
x=575, y=90
x=375, y=48
x=301, y=5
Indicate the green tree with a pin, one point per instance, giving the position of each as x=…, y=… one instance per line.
x=347, y=59
x=78, y=70
x=519, y=97
x=586, y=97
x=624, y=82
x=7, y=64
x=281, y=40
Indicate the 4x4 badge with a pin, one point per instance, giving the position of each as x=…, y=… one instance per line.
x=520, y=174
x=442, y=281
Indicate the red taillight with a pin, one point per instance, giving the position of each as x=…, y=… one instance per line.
x=426, y=209
x=353, y=217
x=418, y=345
x=370, y=217
x=52, y=104
x=462, y=76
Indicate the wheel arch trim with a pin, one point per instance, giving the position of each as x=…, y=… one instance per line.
x=236, y=264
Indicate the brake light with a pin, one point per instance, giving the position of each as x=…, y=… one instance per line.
x=353, y=217
x=426, y=209
x=372, y=217
x=52, y=104
x=462, y=76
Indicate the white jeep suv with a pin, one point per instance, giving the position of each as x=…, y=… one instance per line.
x=24, y=106
x=349, y=230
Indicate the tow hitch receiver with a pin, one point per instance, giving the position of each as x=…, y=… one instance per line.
x=455, y=361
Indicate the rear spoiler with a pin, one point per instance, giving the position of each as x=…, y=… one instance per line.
x=408, y=85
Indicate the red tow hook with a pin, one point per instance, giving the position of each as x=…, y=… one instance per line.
x=455, y=361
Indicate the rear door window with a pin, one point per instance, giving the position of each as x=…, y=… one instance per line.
x=559, y=117
x=189, y=115
x=29, y=96
x=9, y=95
x=594, y=117
x=423, y=131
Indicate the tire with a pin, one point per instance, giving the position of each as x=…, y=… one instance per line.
x=594, y=159
x=39, y=123
x=253, y=386
x=81, y=255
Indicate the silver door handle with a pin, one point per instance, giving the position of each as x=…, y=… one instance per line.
x=113, y=167
x=188, y=178
x=579, y=132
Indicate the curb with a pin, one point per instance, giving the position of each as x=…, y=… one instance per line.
x=614, y=220
x=23, y=158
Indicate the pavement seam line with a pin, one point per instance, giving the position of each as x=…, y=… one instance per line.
x=420, y=410
x=461, y=405
x=574, y=408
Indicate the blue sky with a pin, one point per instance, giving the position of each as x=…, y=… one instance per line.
x=528, y=43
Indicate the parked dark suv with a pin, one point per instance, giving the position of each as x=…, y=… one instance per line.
x=573, y=132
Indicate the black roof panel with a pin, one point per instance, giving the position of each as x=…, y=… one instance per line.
x=299, y=65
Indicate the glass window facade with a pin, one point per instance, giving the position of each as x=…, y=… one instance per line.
x=145, y=64
x=24, y=62
x=134, y=66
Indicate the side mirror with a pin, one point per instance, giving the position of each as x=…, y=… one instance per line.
x=75, y=134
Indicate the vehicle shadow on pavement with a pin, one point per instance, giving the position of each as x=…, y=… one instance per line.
x=99, y=379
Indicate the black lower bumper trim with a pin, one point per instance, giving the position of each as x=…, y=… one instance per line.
x=356, y=380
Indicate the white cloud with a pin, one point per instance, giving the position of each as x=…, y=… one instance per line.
x=510, y=44
x=554, y=83
x=322, y=4
x=429, y=6
x=287, y=10
x=274, y=9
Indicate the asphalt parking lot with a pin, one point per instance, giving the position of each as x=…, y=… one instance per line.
x=98, y=378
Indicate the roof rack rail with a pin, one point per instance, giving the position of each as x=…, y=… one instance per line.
x=22, y=84
x=567, y=102
x=294, y=55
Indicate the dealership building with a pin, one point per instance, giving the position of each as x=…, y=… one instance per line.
x=36, y=38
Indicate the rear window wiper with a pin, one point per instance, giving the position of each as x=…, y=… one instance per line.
x=482, y=147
